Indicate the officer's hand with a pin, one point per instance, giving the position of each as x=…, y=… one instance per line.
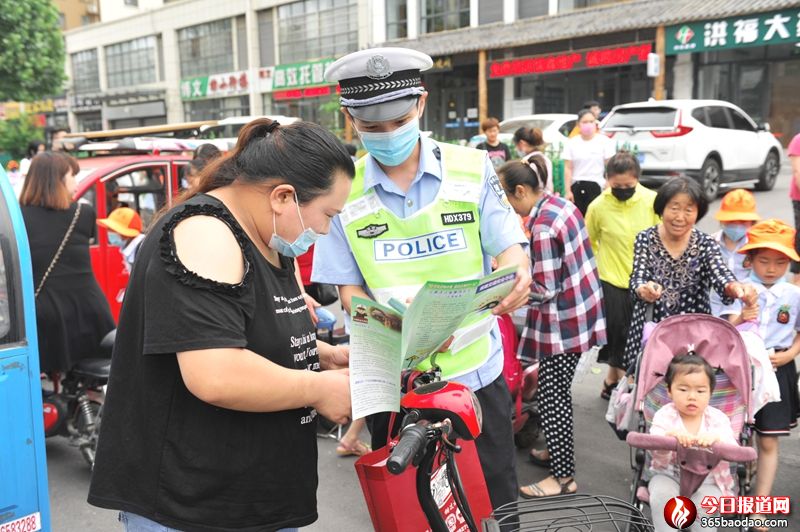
x=518, y=296
x=446, y=345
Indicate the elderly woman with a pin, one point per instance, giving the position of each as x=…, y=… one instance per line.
x=567, y=321
x=675, y=265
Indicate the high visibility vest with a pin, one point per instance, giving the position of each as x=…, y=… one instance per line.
x=440, y=242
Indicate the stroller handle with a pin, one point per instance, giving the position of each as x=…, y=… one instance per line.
x=726, y=451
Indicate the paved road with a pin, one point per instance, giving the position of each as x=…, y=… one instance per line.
x=602, y=459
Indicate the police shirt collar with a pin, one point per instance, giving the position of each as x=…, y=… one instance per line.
x=429, y=164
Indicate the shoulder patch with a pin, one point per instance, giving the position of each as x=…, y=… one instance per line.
x=372, y=230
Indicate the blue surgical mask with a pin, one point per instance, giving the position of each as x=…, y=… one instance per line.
x=115, y=239
x=736, y=232
x=392, y=148
x=300, y=245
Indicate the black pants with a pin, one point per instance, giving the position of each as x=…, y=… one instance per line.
x=495, y=445
x=583, y=193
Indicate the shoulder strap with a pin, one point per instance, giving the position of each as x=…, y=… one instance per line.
x=60, y=248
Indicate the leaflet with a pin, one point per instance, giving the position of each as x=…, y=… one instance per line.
x=384, y=342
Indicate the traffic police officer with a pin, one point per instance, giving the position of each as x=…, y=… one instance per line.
x=421, y=211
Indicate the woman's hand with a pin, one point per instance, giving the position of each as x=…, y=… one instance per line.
x=750, y=312
x=650, y=291
x=746, y=292
x=332, y=389
x=312, y=305
x=334, y=356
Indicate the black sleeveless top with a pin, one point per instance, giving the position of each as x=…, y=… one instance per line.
x=165, y=454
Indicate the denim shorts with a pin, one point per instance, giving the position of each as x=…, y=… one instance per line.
x=137, y=523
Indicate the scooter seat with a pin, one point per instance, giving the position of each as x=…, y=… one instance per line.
x=97, y=368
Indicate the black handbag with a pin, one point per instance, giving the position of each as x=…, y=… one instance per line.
x=325, y=294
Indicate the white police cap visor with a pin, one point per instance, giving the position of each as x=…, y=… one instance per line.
x=379, y=84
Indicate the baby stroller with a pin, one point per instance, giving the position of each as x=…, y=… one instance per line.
x=720, y=344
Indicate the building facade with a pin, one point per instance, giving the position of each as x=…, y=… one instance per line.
x=183, y=60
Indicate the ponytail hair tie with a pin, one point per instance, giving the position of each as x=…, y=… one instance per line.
x=272, y=126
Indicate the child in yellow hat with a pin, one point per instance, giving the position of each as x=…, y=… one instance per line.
x=770, y=250
x=736, y=215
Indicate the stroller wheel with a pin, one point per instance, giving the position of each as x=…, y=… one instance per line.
x=529, y=432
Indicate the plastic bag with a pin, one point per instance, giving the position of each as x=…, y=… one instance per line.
x=620, y=412
x=587, y=360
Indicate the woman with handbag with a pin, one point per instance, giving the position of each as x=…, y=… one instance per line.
x=72, y=315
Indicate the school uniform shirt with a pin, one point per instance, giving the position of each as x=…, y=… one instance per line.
x=334, y=262
x=613, y=226
x=735, y=262
x=779, y=318
x=570, y=318
x=589, y=158
x=714, y=422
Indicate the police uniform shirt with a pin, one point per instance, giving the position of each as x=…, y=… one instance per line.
x=500, y=229
x=779, y=316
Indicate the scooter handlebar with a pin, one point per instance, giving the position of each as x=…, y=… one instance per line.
x=412, y=440
x=726, y=451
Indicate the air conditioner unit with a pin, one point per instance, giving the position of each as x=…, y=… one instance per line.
x=92, y=9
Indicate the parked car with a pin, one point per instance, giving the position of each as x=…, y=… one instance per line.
x=228, y=129
x=145, y=182
x=712, y=141
x=555, y=128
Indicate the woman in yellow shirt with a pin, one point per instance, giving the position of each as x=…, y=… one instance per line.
x=613, y=220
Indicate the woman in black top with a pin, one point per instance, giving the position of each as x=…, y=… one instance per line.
x=72, y=315
x=210, y=419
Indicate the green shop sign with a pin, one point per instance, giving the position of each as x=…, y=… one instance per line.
x=300, y=75
x=762, y=29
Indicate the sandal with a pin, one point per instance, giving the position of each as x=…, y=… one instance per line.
x=605, y=393
x=536, y=492
x=536, y=456
x=358, y=449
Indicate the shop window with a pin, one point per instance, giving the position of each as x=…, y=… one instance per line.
x=11, y=314
x=569, y=5
x=131, y=62
x=396, y=19
x=317, y=29
x=533, y=8
x=206, y=48
x=216, y=108
x=89, y=122
x=740, y=122
x=85, y=74
x=441, y=15
x=718, y=117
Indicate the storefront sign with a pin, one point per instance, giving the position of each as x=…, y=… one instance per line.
x=263, y=79
x=441, y=64
x=763, y=29
x=299, y=94
x=82, y=103
x=215, y=86
x=603, y=57
x=300, y=75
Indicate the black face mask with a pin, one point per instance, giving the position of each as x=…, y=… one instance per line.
x=623, y=194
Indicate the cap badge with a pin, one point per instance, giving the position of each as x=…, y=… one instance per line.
x=378, y=67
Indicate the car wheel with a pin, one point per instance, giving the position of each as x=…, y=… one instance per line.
x=769, y=173
x=710, y=175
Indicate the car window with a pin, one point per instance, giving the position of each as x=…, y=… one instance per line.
x=699, y=114
x=567, y=128
x=740, y=122
x=11, y=315
x=642, y=118
x=143, y=190
x=183, y=176
x=718, y=117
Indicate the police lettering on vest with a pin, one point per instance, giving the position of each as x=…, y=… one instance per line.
x=438, y=243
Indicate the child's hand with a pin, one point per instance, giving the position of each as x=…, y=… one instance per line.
x=706, y=440
x=751, y=312
x=684, y=438
x=781, y=358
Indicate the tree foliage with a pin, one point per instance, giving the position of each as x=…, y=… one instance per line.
x=16, y=133
x=31, y=50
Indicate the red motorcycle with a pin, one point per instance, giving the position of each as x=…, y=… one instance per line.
x=74, y=406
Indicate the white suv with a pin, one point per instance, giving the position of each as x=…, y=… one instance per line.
x=712, y=141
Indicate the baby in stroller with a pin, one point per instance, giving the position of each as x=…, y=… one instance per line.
x=690, y=381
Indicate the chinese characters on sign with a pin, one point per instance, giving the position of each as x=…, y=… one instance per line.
x=300, y=75
x=570, y=61
x=752, y=30
x=229, y=84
